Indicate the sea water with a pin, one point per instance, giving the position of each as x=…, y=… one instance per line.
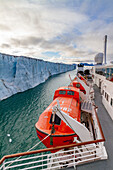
x=19, y=113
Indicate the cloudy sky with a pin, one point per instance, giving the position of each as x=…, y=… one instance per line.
x=56, y=30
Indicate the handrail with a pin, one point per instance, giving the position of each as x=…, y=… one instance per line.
x=100, y=128
x=58, y=147
x=49, y=149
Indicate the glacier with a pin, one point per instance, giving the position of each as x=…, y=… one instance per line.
x=19, y=73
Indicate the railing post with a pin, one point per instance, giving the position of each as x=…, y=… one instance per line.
x=4, y=165
x=42, y=160
x=74, y=159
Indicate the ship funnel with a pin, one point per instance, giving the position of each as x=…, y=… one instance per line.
x=105, y=46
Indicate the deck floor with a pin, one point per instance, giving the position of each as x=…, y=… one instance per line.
x=107, y=127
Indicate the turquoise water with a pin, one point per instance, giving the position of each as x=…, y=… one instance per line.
x=19, y=113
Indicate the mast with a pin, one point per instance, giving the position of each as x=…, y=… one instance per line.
x=105, y=46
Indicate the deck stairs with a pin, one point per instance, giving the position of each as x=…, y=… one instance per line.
x=86, y=106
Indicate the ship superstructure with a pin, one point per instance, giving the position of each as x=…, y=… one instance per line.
x=102, y=74
x=103, y=78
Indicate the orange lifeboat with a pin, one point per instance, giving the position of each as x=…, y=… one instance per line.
x=60, y=134
x=77, y=84
x=82, y=78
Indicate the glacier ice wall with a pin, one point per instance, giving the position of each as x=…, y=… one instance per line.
x=18, y=74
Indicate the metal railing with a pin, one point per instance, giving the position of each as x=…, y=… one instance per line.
x=65, y=158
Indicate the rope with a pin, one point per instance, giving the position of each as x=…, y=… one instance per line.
x=29, y=150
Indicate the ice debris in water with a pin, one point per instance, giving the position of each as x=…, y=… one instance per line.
x=10, y=140
x=8, y=134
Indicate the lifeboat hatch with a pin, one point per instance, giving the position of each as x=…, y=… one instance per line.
x=57, y=120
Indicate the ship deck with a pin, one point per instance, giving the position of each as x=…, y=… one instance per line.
x=107, y=127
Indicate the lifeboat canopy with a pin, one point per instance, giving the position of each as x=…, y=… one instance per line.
x=67, y=91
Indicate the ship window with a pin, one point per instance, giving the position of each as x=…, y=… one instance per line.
x=70, y=93
x=62, y=92
x=111, y=102
x=57, y=120
x=106, y=96
x=103, y=92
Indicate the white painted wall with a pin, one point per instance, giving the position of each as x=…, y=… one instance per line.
x=107, y=86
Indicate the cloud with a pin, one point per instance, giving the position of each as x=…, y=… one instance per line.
x=5, y=46
x=26, y=42
x=4, y=27
x=75, y=29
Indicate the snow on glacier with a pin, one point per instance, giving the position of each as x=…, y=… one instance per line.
x=18, y=74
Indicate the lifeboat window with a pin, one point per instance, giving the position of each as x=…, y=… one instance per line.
x=70, y=93
x=57, y=120
x=62, y=92
x=77, y=85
